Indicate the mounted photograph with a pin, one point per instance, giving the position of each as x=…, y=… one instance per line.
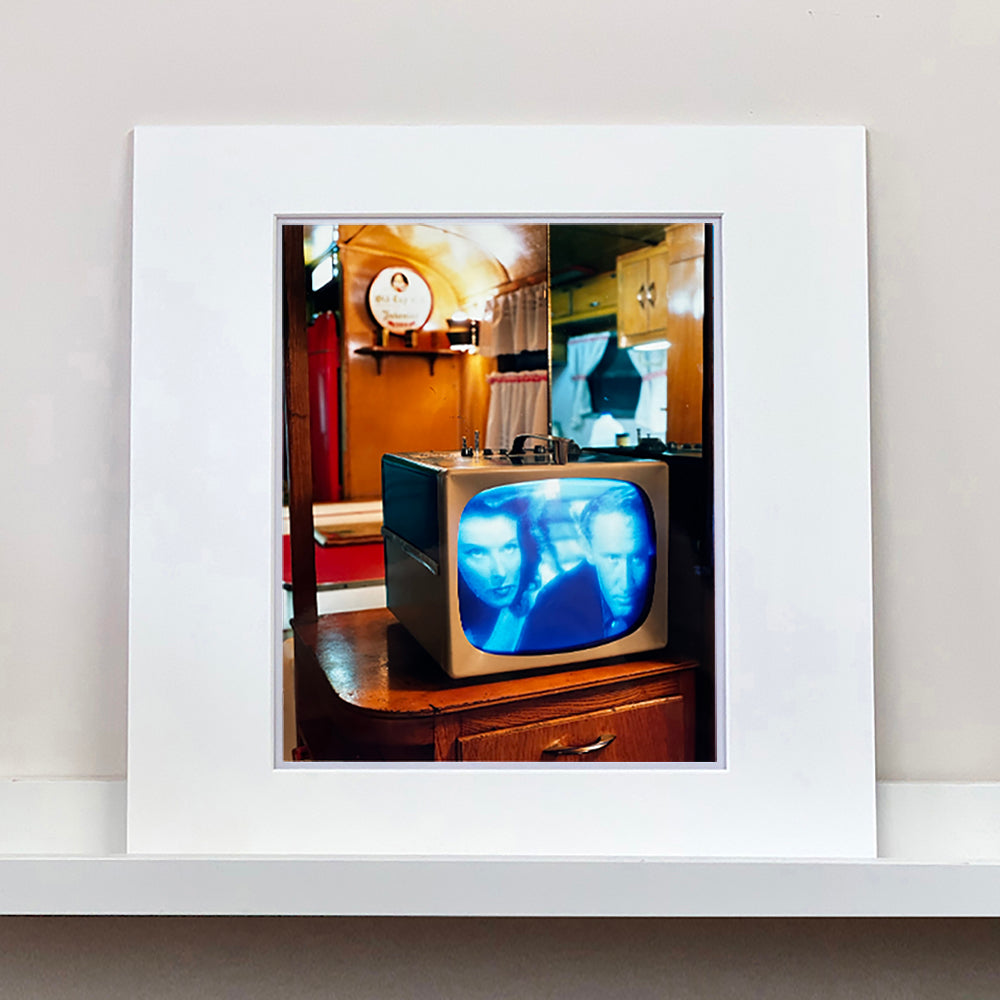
x=497, y=485
x=500, y=511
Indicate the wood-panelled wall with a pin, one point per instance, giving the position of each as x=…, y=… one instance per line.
x=406, y=408
x=685, y=308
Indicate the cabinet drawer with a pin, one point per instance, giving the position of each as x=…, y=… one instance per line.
x=647, y=731
x=596, y=297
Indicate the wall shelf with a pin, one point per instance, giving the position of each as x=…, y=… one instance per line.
x=495, y=887
x=65, y=846
x=379, y=353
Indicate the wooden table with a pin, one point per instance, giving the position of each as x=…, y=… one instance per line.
x=366, y=691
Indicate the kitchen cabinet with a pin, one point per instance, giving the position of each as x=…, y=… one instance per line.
x=590, y=299
x=643, y=279
x=661, y=298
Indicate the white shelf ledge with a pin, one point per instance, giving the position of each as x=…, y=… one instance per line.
x=496, y=887
x=64, y=847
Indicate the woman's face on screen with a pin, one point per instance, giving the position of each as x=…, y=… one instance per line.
x=489, y=558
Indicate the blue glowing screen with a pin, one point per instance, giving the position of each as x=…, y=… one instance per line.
x=554, y=564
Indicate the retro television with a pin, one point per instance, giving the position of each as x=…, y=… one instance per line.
x=499, y=563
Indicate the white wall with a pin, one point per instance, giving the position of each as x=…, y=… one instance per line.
x=77, y=77
x=923, y=75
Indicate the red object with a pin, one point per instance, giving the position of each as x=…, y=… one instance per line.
x=336, y=563
x=340, y=563
x=324, y=407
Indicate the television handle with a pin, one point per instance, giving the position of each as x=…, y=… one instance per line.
x=560, y=449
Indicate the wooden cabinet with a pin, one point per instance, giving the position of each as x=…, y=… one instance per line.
x=649, y=731
x=643, y=281
x=561, y=305
x=661, y=298
x=590, y=299
x=365, y=691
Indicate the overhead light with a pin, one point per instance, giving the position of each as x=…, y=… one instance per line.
x=653, y=345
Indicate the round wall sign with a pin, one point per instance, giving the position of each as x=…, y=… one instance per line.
x=400, y=299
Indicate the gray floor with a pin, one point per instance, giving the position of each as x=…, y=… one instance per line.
x=389, y=958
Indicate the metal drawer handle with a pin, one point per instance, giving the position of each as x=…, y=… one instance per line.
x=599, y=744
x=641, y=297
x=651, y=293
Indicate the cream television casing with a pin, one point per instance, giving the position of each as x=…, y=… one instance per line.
x=423, y=496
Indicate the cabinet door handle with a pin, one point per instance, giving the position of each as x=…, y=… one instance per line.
x=651, y=293
x=558, y=750
x=641, y=297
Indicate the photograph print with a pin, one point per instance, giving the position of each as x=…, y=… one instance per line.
x=498, y=492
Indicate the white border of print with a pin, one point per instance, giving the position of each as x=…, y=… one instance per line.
x=792, y=508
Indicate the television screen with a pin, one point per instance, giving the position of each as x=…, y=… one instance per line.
x=554, y=565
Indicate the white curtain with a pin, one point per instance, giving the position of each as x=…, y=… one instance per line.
x=519, y=404
x=570, y=394
x=516, y=321
x=651, y=410
x=604, y=432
